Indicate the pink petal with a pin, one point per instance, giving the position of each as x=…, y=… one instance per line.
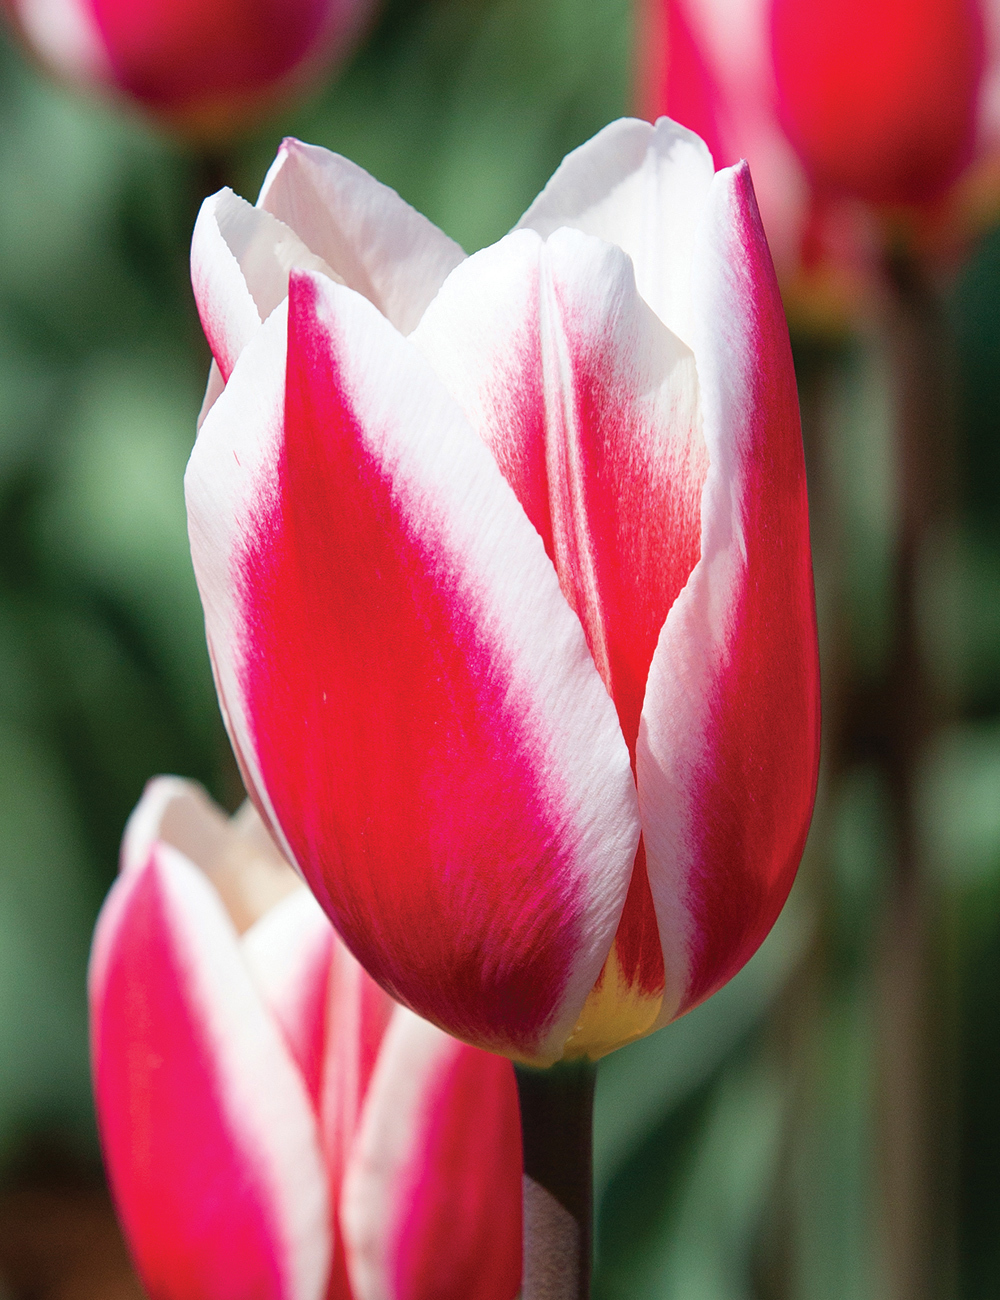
x=378, y=244
x=411, y=695
x=208, y=1134
x=643, y=188
x=240, y=260
x=179, y=813
x=729, y=744
x=289, y=952
x=357, y=1014
x=333, y=1017
x=719, y=81
x=432, y=1198
x=590, y=406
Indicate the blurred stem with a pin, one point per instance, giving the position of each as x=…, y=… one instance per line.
x=212, y=169
x=557, y=1116
x=914, y=1207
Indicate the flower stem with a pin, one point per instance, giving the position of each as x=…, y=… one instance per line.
x=557, y=1114
x=914, y=1105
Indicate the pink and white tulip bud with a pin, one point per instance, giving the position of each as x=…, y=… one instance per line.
x=202, y=67
x=272, y=1124
x=507, y=584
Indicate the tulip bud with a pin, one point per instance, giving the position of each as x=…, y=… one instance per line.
x=202, y=67
x=879, y=97
x=273, y=1125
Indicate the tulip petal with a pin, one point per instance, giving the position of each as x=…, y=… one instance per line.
x=358, y=1012
x=411, y=696
x=240, y=260
x=378, y=244
x=590, y=406
x=431, y=1206
x=208, y=1134
x=643, y=188
x=729, y=743
x=289, y=953
x=213, y=388
x=179, y=813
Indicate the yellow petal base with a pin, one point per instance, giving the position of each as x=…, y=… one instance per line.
x=615, y=1013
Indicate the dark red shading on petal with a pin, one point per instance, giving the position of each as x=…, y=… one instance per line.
x=589, y=405
x=194, y=1209
x=401, y=763
x=879, y=97
x=461, y=1239
x=733, y=713
x=637, y=940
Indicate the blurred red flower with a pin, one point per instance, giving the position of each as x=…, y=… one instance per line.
x=203, y=67
x=861, y=119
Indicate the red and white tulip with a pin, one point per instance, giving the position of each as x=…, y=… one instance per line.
x=844, y=108
x=272, y=1124
x=506, y=575
x=204, y=67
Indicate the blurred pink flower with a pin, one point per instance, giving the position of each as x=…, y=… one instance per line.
x=204, y=67
x=272, y=1124
x=506, y=575
x=855, y=115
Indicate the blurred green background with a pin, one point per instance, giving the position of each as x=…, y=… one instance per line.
x=738, y=1152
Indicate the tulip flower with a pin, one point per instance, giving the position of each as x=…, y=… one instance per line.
x=506, y=576
x=879, y=99
x=273, y=1126
x=204, y=67
x=844, y=110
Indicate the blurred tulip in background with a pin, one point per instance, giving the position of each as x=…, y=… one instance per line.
x=880, y=100
x=273, y=1125
x=205, y=68
x=548, y=763
x=860, y=120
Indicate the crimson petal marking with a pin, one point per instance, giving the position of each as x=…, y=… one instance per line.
x=590, y=406
x=240, y=260
x=209, y=1138
x=643, y=188
x=289, y=951
x=382, y=247
x=432, y=1198
x=412, y=696
x=729, y=742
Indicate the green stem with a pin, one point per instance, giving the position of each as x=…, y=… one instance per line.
x=557, y=1114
